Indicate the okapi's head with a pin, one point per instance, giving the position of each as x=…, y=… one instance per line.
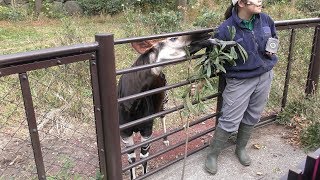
x=169, y=48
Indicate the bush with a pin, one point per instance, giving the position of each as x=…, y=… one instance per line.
x=92, y=7
x=134, y=19
x=153, y=5
x=303, y=115
x=11, y=14
x=207, y=18
x=272, y=2
x=310, y=136
x=310, y=6
x=164, y=21
x=95, y=7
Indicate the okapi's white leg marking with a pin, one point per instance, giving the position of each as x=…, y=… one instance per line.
x=131, y=156
x=144, y=153
x=128, y=141
x=165, y=139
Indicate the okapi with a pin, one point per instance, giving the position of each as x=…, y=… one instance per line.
x=148, y=79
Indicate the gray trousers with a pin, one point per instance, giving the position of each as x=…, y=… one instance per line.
x=244, y=101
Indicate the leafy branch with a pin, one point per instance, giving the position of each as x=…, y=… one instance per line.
x=221, y=53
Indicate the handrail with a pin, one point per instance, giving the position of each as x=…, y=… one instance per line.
x=43, y=54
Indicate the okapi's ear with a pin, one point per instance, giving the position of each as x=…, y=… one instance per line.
x=143, y=46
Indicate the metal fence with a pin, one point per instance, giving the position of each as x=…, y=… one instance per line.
x=58, y=115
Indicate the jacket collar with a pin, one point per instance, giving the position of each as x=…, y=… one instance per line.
x=238, y=20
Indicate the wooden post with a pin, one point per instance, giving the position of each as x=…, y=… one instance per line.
x=314, y=67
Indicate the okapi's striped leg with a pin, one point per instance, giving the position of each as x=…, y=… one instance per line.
x=128, y=141
x=163, y=118
x=144, y=153
x=165, y=139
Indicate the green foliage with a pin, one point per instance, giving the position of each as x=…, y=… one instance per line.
x=53, y=11
x=207, y=18
x=94, y=7
x=11, y=14
x=151, y=23
x=291, y=109
x=222, y=53
x=308, y=111
x=310, y=6
x=49, y=9
x=164, y=21
x=225, y=52
x=134, y=19
x=272, y=2
x=151, y=5
x=310, y=136
x=69, y=34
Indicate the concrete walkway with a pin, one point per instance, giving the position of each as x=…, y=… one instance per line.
x=271, y=161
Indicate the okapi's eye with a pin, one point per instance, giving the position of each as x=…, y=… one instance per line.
x=173, y=39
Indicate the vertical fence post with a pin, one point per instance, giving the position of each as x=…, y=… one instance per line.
x=97, y=114
x=314, y=67
x=109, y=105
x=290, y=59
x=32, y=124
x=221, y=86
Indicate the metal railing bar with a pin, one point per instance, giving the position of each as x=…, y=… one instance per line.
x=288, y=71
x=135, y=39
x=154, y=91
x=267, y=119
x=44, y=54
x=32, y=125
x=44, y=64
x=297, y=23
x=151, y=117
x=265, y=122
x=97, y=115
x=200, y=120
x=172, y=162
x=168, y=149
x=149, y=66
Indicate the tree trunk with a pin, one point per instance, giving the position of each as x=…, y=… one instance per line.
x=37, y=7
x=13, y=3
x=182, y=7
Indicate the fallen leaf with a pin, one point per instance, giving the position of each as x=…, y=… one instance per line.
x=256, y=146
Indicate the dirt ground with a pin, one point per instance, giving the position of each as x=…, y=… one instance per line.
x=73, y=153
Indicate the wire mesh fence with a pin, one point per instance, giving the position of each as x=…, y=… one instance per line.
x=62, y=98
x=300, y=59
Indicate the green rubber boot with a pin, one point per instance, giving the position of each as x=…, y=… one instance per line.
x=243, y=137
x=220, y=138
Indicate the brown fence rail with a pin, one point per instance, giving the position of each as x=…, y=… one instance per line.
x=59, y=113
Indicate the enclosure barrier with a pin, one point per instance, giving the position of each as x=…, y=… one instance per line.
x=101, y=57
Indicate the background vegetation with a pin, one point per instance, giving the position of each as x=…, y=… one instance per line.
x=20, y=31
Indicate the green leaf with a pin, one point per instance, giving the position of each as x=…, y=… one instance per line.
x=221, y=68
x=216, y=50
x=209, y=70
x=233, y=52
x=228, y=55
x=209, y=84
x=232, y=32
x=243, y=52
x=188, y=104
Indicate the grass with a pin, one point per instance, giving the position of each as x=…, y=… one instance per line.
x=45, y=33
